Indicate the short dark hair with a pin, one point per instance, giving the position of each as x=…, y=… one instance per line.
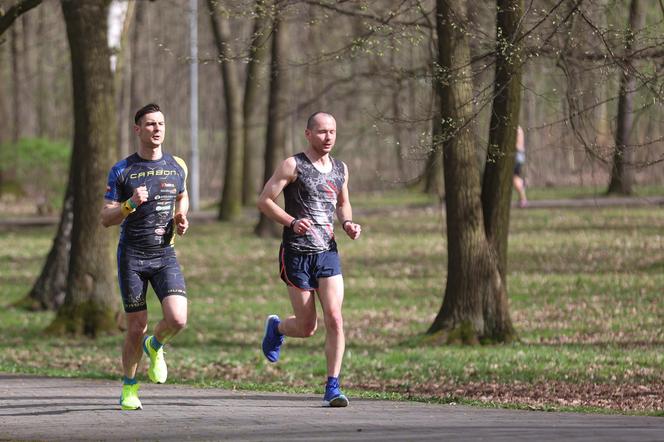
x=310, y=120
x=147, y=109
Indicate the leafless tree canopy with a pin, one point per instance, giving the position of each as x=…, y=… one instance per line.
x=371, y=64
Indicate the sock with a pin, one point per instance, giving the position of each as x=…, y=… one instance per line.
x=155, y=344
x=127, y=381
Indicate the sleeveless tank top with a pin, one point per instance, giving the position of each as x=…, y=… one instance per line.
x=313, y=195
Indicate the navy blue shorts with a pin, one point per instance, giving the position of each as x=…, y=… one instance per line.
x=303, y=271
x=136, y=268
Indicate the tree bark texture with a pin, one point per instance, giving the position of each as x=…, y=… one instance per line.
x=276, y=122
x=468, y=312
x=499, y=168
x=231, y=198
x=122, y=84
x=48, y=292
x=91, y=299
x=258, y=55
x=622, y=172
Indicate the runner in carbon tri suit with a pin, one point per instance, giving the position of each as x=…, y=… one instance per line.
x=315, y=186
x=147, y=195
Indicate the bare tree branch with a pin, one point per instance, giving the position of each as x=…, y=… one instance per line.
x=15, y=12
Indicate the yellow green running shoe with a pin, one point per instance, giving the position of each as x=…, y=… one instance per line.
x=158, y=372
x=129, y=399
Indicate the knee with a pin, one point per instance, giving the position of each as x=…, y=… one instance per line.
x=334, y=323
x=177, y=323
x=136, y=329
x=307, y=329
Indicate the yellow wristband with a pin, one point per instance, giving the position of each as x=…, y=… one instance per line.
x=126, y=208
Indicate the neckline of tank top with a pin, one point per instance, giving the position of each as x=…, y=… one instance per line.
x=324, y=172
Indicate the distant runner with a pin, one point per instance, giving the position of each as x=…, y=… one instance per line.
x=519, y=163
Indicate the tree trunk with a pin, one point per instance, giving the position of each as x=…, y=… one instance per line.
x=137, y=99
x=499, y=168
x=433, y=178
x=41, y=107
x=276, y=123
x=468, y=312
x=4, y=119
x=258, y=53
x=622, y=172
x=231, y=198
x=16, y=87
x=48, y=292
x=91, y=299
x=122, y=84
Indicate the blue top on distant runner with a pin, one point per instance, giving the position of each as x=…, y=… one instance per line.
x=313, y=195
x=150, y=227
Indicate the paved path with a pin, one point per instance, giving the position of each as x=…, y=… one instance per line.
x=41, y=408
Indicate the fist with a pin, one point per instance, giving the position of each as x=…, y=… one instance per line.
x=352, y=230
x=140, y=195
x=181, y=223
x=302, y=225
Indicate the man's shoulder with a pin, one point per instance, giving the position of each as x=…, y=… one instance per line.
x=177, y=161
x=121, y=165
x=339, y=164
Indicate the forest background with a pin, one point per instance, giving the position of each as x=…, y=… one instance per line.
x=418, y=88
x=368, y=63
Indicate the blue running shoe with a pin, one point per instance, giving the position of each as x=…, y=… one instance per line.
x=272, y=339
x=333, y=395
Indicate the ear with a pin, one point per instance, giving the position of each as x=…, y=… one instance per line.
x=137, y=128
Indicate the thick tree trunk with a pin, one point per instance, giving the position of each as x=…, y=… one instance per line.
x=468, y=312
x=499, y=169
x=231, y=198
x=48, y=292
x=258, y=54
x=622, y=172
x=91, y=300
x=276, y=124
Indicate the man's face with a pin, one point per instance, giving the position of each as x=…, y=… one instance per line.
x=323, y=134
x=151, y=129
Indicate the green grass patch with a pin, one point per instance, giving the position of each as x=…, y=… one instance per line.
x=585, y=289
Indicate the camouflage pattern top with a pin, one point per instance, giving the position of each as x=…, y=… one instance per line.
x=313, y=195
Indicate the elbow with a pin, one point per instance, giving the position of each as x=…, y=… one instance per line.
x=260, y=204
x=104, y=220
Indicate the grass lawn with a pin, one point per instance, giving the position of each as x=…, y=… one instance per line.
x=585, y=289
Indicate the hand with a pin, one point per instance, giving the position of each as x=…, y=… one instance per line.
x=140, y=195
x=301, y=226
x=352, y=230
x=181, y=223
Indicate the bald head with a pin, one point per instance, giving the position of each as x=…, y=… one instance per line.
x=313, y=120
